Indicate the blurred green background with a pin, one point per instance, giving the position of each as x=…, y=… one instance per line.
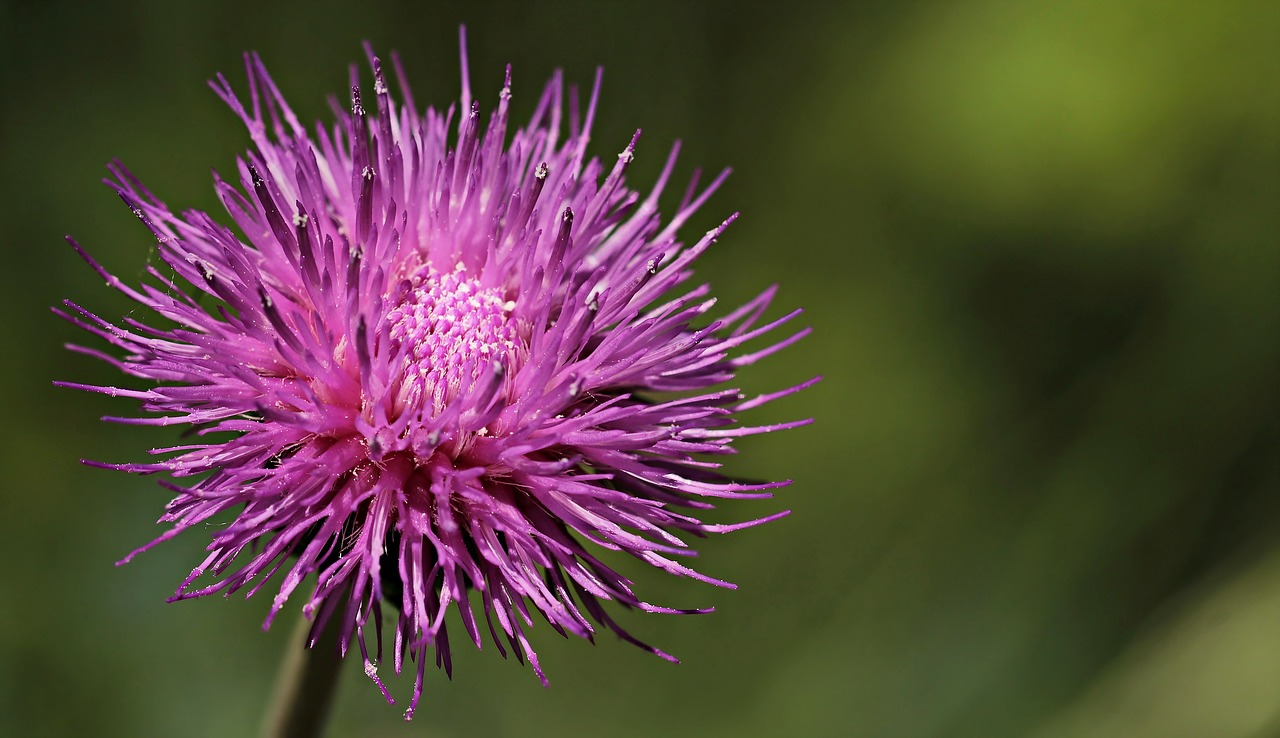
x=1039, y=246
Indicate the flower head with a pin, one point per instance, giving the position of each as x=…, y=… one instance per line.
x=434, y=371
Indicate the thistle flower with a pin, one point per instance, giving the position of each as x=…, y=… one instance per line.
x=440, y=374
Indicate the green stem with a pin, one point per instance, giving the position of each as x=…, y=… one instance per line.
x=305, y=686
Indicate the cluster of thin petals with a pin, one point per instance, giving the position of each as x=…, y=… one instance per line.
x=435, y=364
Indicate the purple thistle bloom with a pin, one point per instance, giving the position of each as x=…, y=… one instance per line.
x=436, y=372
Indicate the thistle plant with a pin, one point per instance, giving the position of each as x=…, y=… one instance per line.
x=434, y=365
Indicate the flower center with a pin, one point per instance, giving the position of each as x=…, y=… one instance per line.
x=454, y=330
